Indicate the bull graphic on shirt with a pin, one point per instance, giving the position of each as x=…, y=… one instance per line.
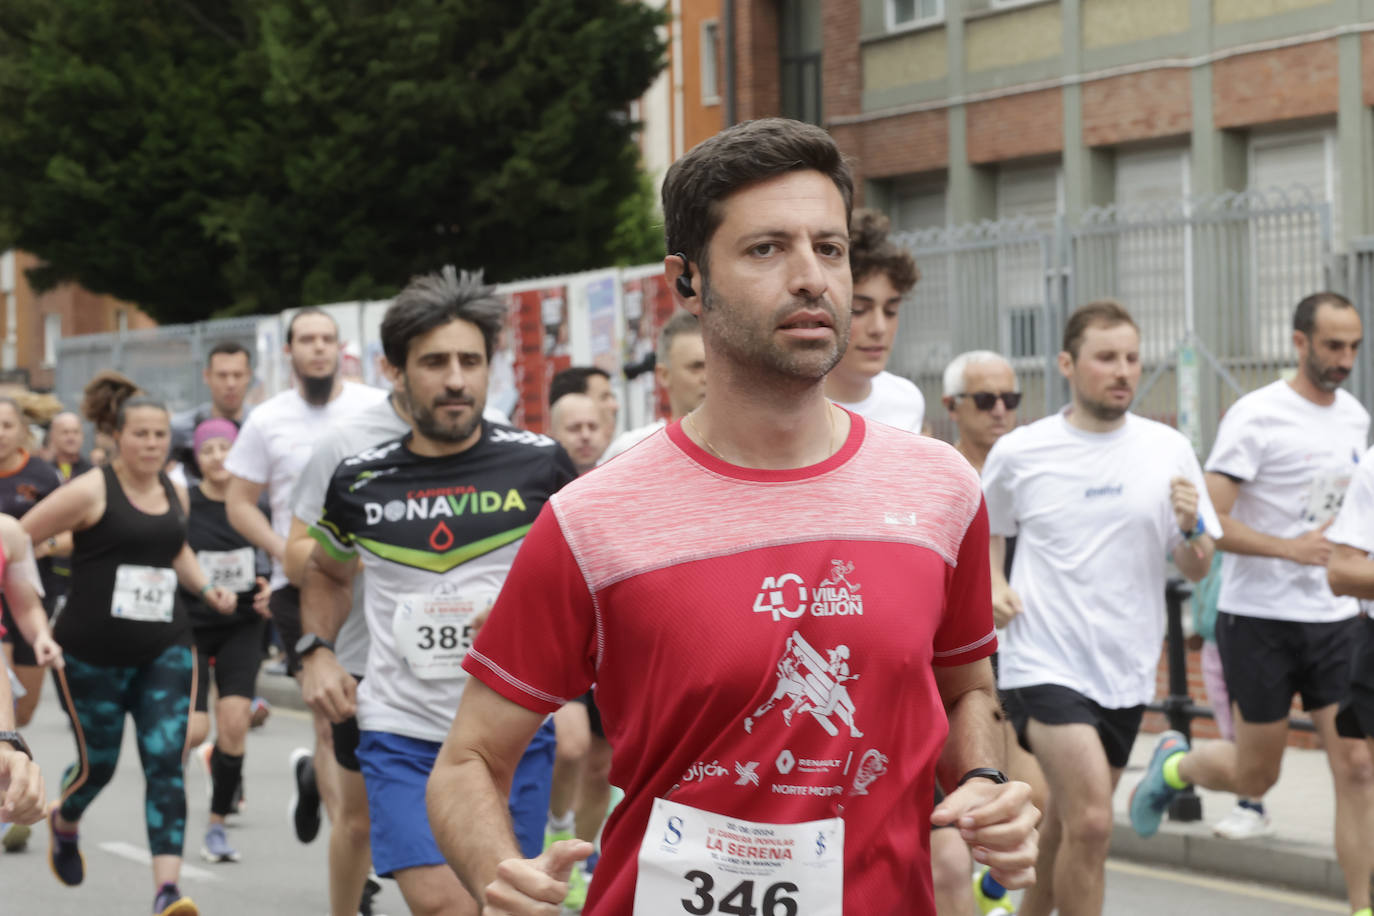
x=812, y=684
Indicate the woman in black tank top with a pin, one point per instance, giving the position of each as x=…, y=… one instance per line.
x=124, y=632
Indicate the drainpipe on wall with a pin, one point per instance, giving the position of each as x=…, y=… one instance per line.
x=728, y=14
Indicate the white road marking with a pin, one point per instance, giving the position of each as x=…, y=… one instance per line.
x=140, y=855
x=1308, y=902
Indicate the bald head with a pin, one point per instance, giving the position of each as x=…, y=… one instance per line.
x=579, y=425
x=64, y=434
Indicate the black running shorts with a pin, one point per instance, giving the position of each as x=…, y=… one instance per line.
x=286, y=614
x=1053, y=704
x=237, y=652
x=346, y=738
x=593, y=714
x=1267, y=661
x=1356, y=716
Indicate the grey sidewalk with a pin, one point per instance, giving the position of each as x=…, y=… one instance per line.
x=1299, y=854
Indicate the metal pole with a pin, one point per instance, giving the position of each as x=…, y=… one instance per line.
x=1187, y=806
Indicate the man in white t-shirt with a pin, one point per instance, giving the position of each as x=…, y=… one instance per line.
x=1351, y=572
x=272, y=448
x=1282, y=460
x=1099, y=499
x=680, y=368
x=883, y=274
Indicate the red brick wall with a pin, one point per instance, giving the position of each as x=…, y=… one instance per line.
x=1026, y=124
x=917, y=142
x=1277, y=85
x=841, y=73
x=1206, y=728
x=1137, y=106
x=756, y=59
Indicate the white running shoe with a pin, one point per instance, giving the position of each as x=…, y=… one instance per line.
x=1243, y=823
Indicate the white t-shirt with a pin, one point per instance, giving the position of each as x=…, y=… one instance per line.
x=1354, y=524
x=892, y=400
x=370, y=426
x=629, y=439
x=1094, y=526
x=276, y=440
x=1294, y=459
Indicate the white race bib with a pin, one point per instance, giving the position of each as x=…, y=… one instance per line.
x=229, y=569
x=146, y=593
x=692, y=861
x=434, y=632
x=1325, y=494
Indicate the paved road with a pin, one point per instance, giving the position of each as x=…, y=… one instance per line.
x=280, y=876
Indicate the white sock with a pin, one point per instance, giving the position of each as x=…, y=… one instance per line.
x=561, y=823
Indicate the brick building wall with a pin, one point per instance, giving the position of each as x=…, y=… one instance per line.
x=1137, y=106
x=1277, y=85
x=1016, y=126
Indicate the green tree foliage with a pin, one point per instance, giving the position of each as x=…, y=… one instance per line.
x=213, y=156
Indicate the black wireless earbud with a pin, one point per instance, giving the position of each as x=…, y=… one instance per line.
x=684, y=282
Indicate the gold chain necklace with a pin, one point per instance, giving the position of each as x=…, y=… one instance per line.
x=829, y=442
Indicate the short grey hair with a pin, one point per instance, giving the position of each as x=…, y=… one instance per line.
x=681, y=323
x=435, y=299
x=956, y=373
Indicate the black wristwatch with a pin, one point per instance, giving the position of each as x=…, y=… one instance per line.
x=309, y=642
x=16, y=740
x=996, y=776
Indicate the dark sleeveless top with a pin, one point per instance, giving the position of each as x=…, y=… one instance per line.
x=86, y=628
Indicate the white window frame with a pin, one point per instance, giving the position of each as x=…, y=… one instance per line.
x=890, y=17
x=1008, y=4
x=52, y=336
x=710, y=62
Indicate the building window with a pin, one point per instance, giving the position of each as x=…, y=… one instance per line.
x=800, y=43
x=710, y=62
x=1003, y=4
x=52, y=336
x=906, y=14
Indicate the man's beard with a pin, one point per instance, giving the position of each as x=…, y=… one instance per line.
x=810, y=361
x=427, y=422
x=1322, y=376
x=317, y=388
x=1101, y=410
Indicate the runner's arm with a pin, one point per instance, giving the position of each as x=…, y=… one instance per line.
x=22, y=591
x=74, y=507
x=1238, y=537
x=1006, y=604
x=1351, y=572
x=194, y=579
x=469, y=815
x=299, y=546
x=326, y=599
x=241, y=505
x=997, y=821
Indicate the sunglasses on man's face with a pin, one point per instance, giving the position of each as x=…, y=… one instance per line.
x=984, y=400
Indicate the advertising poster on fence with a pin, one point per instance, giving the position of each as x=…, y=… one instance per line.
x=647, y=305
x=605, y=352
x=539, y=348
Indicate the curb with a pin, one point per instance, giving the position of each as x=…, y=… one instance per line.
x=1272, y=860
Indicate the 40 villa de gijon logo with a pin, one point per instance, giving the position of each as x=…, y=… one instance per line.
x=788, y=596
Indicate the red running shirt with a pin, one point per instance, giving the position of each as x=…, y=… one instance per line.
x=762, y=642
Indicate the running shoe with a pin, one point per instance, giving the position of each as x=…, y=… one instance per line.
x=304, y=810
x=371, y=889
x=217, y=848
x=64, y=855
x=578, y=883
x=1152, y=795
x=553, y=836
x=260, y=710
x=14, y=837
x=1243, y=823
x=983, y=886
x=170, y=901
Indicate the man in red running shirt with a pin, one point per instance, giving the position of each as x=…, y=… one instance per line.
x=795, y=549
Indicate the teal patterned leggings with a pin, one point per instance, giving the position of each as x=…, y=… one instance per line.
x=158, y=696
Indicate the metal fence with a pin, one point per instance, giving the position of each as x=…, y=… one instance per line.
x=1211, y=281
x=167, y=360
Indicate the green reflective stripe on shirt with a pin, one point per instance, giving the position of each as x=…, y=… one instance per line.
x=326, y=539
x=442, y=562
